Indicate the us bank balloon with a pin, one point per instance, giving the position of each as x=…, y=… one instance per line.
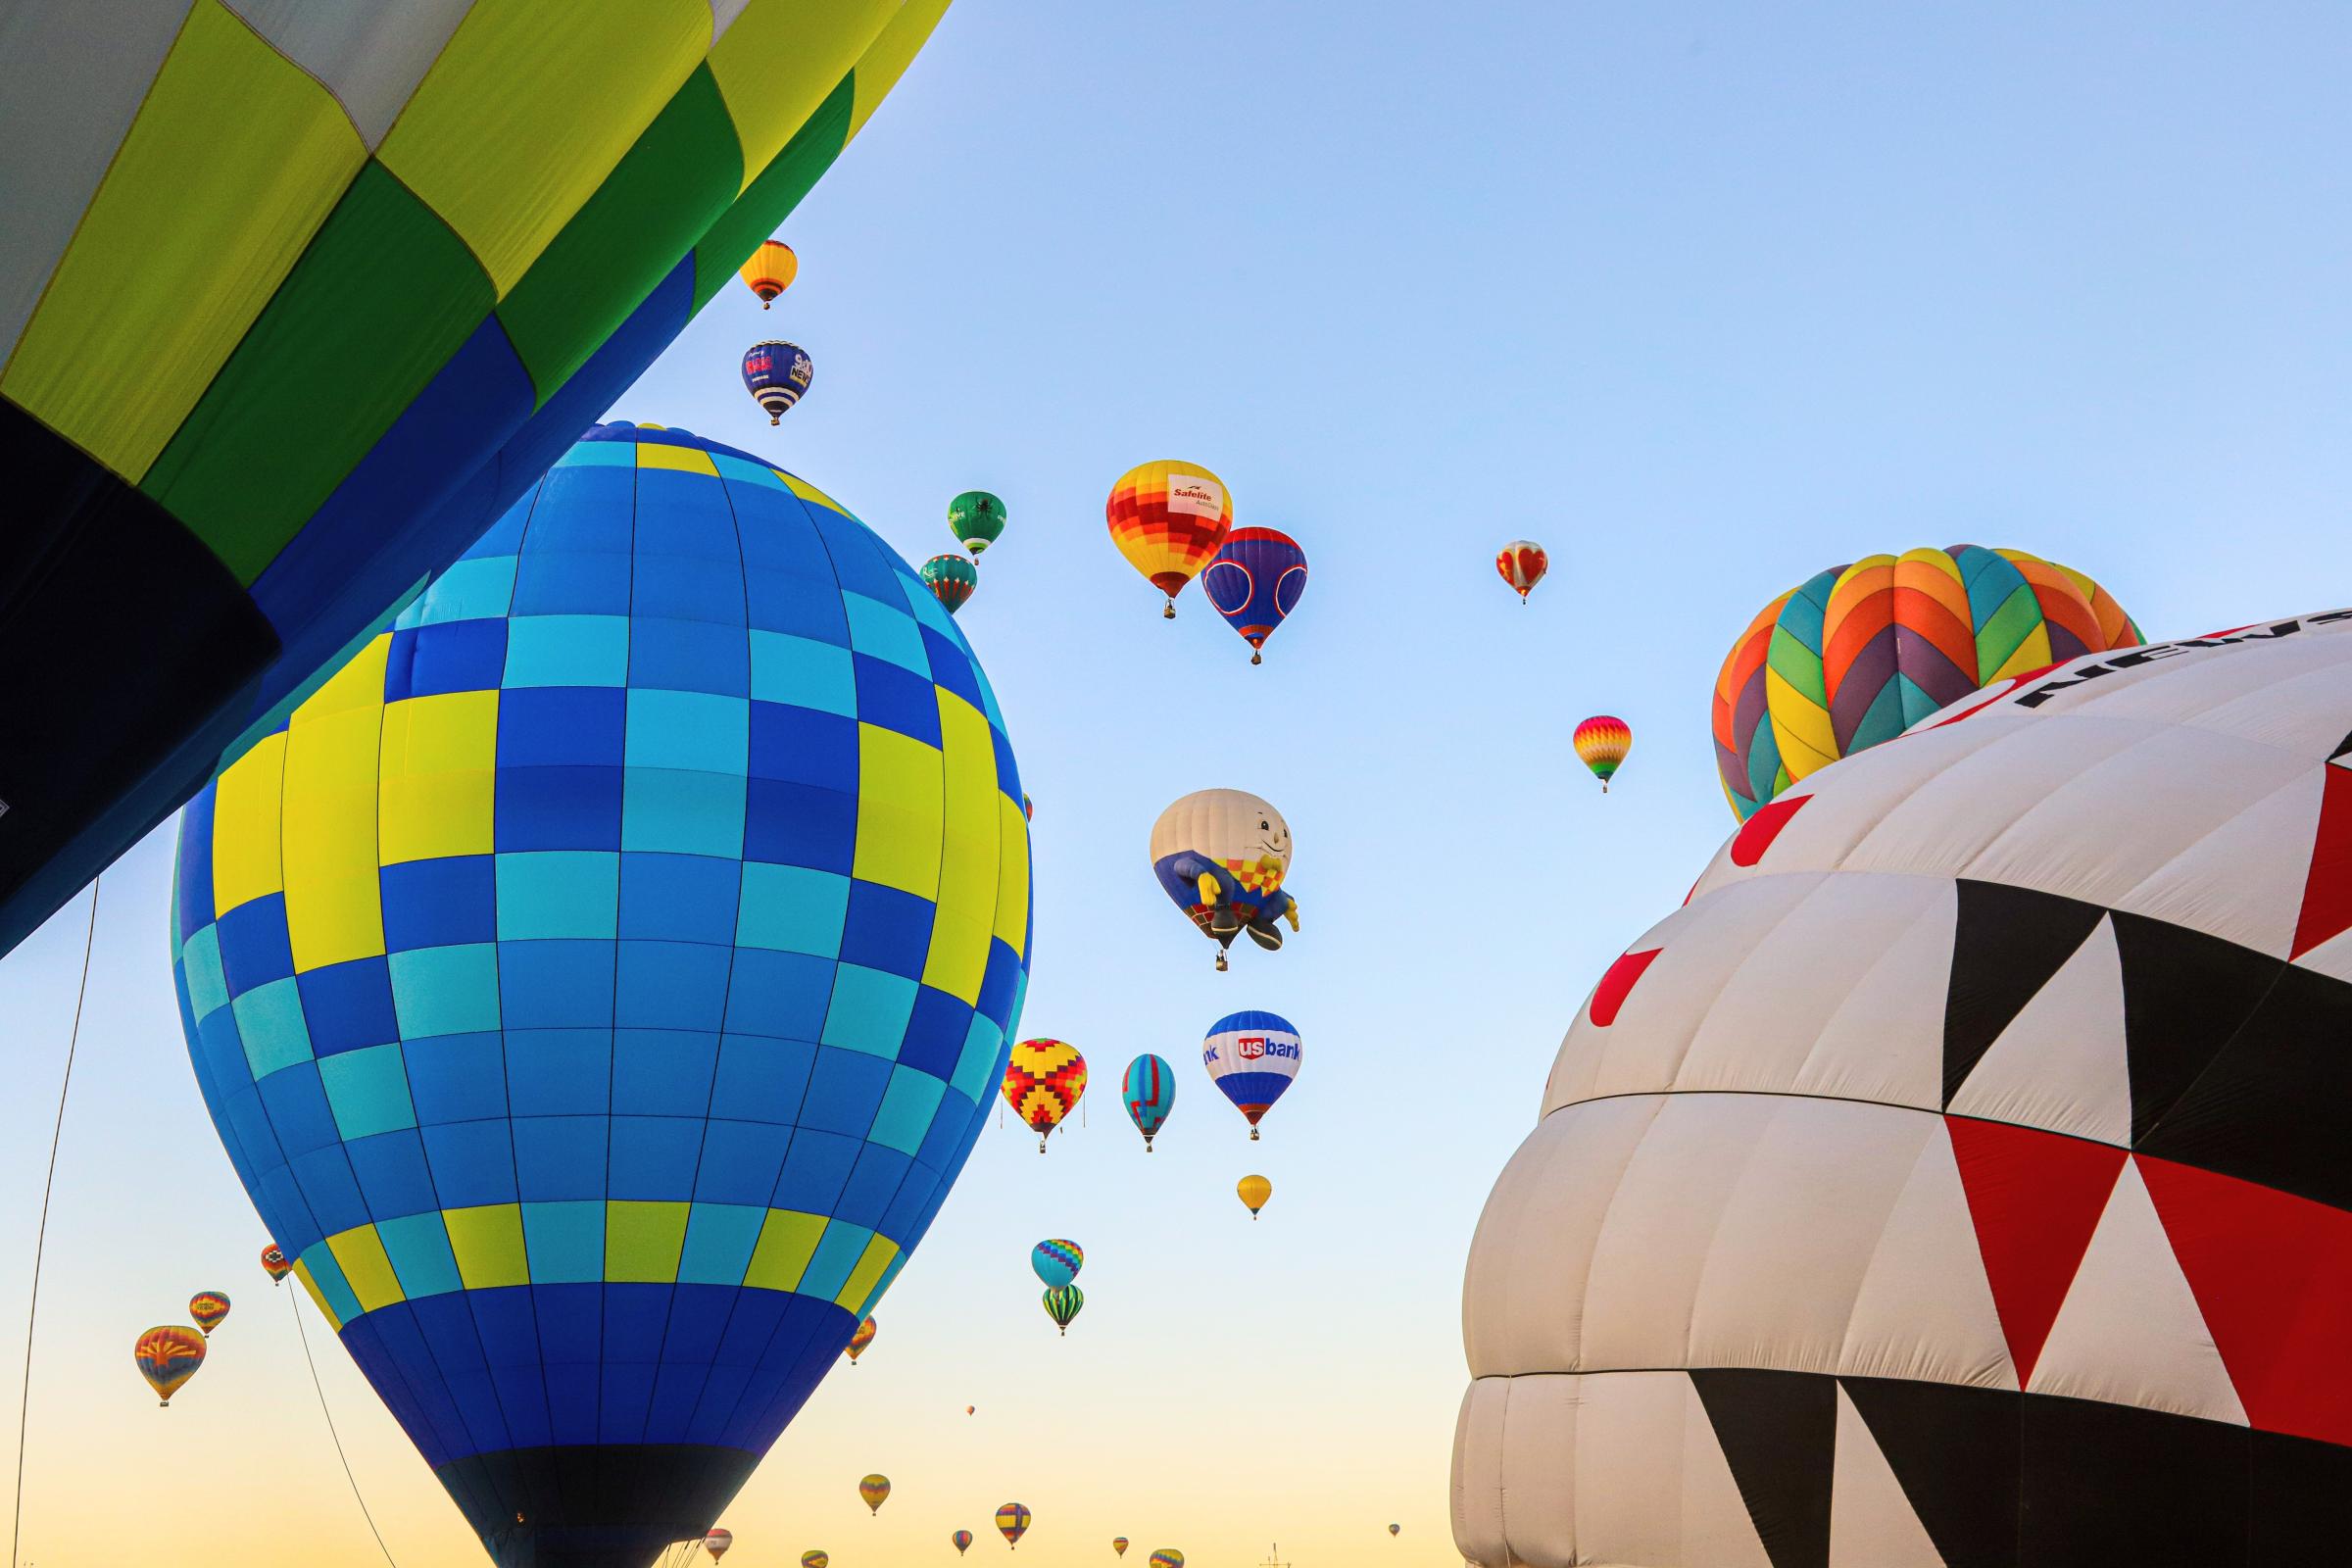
x=1855, y=654
x=1251, y=1057
x=1964, y=1173
x=295, y=300
x=599, y=980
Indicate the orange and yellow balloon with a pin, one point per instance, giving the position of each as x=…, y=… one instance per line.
x=275, y=1263
x=862, y=1336
x=1169, y=520
x=1118, y=1543
x=770, y=271
x=1254, y=1192
x=168, y=1356
x=210, y=1310
x=1601, y=743
x=875, y=1490
x=815, y=1559
x=1043, y=1080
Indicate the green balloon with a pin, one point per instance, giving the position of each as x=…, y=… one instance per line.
x=951, y=579
x=976, y=518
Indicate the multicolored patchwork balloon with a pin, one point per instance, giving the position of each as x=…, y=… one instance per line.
x=1062, y=1303
x=1522, y=564
x=963, y=1540
x=1167, y=1557
x=610, y=961
x=1601, y=743
x=1149, y=1090
x=777, y=374
x=815, y=1559
x=1043, y=1080
x=1255, y=582
x=295, y=300
x=210, y=1310
x=874, y=1491
x=1168, y=518
x=275, y=1263
x=1056, y=1261
x=859, y=1340
x=1012, y=1522
x=951, y=579
x=1118, y=1543
x=770, y=271
x=1251, y=1057
x=976, y=519
x=1855, y=655
x=168, y=1356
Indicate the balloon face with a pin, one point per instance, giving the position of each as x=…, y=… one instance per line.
x=976, y=519
x=1255, y=582
x=951, y=580
x=876, y=1490
x=583, y=1003
x=1056, y=1261
x=433, y=251
x=1149, y=1090
x=2026, y=1006
x=1062, y=1304
x=1251, y=1057
x=1118, y=1543
x=1168, y=518
x=166, y=1357
x=1254, y=1192
x=275, y=1263
x=963, y=1540
x=210, y=1310
x=776, y=374
x=1522, y=564
x=859, y=1340
x=1043, y=1080
x=1601, y=743
x=1854, y=654
x=1012, y=1522
x=717, y=1542
x=770, y=271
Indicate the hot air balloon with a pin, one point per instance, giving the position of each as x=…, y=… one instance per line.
x=1854, y=654
x=1221, y=856
x=1601, y=743
x=969, y=1408
x=1012, y=1521
x=1251, y=1057
x=963, y=1540
x=1167, y=1557
x=815, y=1559
x=1168, y=518
x=1043, y=1080
x=210, y=1310
x=777, y=375
x=276, y=1265
x=672, y=1003
x=1960, y=1175
x=1254, y=1192
x=1028, y=809
x=1056, y=1261
x=717, y=1541
x=976, y=519
x=376, y=266
x=876, y=1490
x=166, y=1357
x=1255, y=582
x=1062, y=1303
x=1149, y=1090
x=862, y=1336
x=1394, y=1529
x=1118, y=1543
x=770, y=271
x=951, y=580
x=1522, y=564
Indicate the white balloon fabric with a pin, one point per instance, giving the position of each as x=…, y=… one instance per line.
x=1963, y=1175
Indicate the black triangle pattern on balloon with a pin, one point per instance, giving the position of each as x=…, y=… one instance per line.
x=2006, y=944
x=2186, y=995
x=1955, y=1452
x=2344, y=749
x=1778, y=1433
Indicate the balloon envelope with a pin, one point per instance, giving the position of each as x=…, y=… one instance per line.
x=815, y=1559
x=951, y=579
x=1056, y=1261
x=1251, y=1057
x=1012, y=1520
x=1254, y=1192
x=1601, y=743
x=166, y=1357
x=597, y=1035
x=297, y=300
x=1149, y=1090
x=976, y=519
x=275, y=1263
x=1234, y=838
x=1118, y=1543
x=1522, y=564
x=861, y=1337
x=210, y=1310
x=963, y=1540
x=1043, y=1080
x=1062, y=1304
x=1167, y=1557
x=1855, y=654
x=1959, y=1166
x=874, y=1491
x=1168, y=518
x=1255, y=582
x=777, y=375
x=717, y=1542
x=770, y=271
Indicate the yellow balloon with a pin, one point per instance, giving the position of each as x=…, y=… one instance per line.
x=1254, y=1190
x=1168, y=518
x=770, y=271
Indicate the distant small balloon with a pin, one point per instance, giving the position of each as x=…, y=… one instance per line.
x=717, y=1542
x=1118, y=1543
x=1522, y=564
x=1063, y=1305
x=951, y=579
x=1056, y=1261
x=860, y=1338
x=969, y=1408
x=1254, y=1190
x=777, y=374
x=1168, y=518
x=770, y=271
x=1601, y=743
x=276, y=1265
x=1012, y=1522
x=1167, y=1557
x=168, y=1356
x=875, y=1490
x=1393, y=1529
x=963, y=1540
x=1255, y=582
x=1150, y=1090
x=1043, y=1080
x=814, y=1559
x=210, y=1310
x=976, y=518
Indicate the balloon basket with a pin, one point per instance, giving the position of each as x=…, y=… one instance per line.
x=1253, y=1135
x=1256, y=659
x=1220, y=963
x=1167, y=611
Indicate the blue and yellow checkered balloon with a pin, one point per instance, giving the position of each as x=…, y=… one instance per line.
x=598, y=981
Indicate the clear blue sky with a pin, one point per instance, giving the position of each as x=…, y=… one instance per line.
x=1702, y=298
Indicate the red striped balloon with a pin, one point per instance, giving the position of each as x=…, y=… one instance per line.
x=1601, y=743
x=1522, y=564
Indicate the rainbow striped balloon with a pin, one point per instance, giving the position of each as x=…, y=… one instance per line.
x=1057, y=1259
x=1601, y=743
x=1856, y=655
